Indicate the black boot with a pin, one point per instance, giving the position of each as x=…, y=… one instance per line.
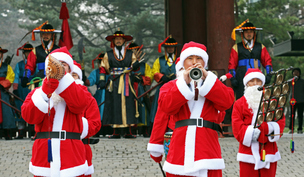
x=115, y=134
x=129, y=133
x=145, y=132
x=8, y=134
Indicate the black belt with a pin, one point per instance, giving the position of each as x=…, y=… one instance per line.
x=60, y=135
x=90, y=141
x=199, y=123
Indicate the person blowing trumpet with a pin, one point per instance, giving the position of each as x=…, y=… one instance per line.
x=196, y=109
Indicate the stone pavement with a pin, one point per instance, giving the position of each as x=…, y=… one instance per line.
x=129, y=157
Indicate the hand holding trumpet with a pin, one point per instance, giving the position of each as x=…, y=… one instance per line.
x=188, y=70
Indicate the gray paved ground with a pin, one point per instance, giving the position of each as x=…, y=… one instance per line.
x=127, y=157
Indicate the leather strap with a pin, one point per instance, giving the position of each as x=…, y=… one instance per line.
x=198, y=123
x=60, y=135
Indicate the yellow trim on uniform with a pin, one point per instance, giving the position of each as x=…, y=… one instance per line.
x=10, y=74
x=235, y=48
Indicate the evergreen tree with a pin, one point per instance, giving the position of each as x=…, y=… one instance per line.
x=94, y=20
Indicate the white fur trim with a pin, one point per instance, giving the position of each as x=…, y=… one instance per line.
x=43, y=171
x=155, y=148
x=61, y=56
x=275, y=128
x=64, y=83
x=85, y=129
x=195, y=108
x=57, y=126
x=201, y=167
x=75, y=171
x=184, y=89
x=194, y=51
x=39, y=171
x=253, y=75
x=248, y=136
x=90, y=170
x=77, y=81
x=208, y=84
x=78, y=71
x=250, y=159
x=245, y=158
x=39, y=101
x=178, y=66
x=155, y=154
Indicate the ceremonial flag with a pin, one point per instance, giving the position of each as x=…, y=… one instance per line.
x=65, y=37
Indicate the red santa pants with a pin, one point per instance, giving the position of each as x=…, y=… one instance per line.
x=211, y=173
x=247, y=170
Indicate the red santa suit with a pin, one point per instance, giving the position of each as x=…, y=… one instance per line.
x=68, y=155
x=243, y=121
x=91, y=118
x=194, y=150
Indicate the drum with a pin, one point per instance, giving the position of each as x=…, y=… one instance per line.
x=167, y=139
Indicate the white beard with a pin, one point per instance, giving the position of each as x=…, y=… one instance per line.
x=253, y=96
x=78, y=81
x=56, y=98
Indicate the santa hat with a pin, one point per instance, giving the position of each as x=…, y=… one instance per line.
x=77, y=69
x=61, y=54
x=193, y=48
x=178, y=64
x=253, y=73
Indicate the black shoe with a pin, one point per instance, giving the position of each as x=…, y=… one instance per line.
x=129, y=136
x=300, y=132
x=8, y=138
x=145, y=135
x=19, y=137
x=114, y=136
x=290, y=131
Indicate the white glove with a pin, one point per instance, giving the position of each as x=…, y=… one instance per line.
x=256, y=134
x=223, y=78
x=155, y=154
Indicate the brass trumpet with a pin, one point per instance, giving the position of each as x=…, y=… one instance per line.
x=195, y=74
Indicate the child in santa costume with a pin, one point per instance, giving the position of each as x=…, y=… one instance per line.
x=252, y=139
x=91, y=117
x=58, y=149
x=194, y=148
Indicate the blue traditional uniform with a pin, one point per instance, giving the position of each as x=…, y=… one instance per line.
x=6, y=79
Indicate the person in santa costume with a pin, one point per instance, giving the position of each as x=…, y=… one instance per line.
x=91, y=117
x=56, y=109
x=195, y=108
x=251, y=139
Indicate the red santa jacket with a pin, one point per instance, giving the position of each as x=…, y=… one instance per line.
x=194, y=150
x=92, y=123
x=243, y=120
x=68, y=155
x=161, y=123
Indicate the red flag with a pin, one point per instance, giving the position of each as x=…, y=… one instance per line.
x=65, y=37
